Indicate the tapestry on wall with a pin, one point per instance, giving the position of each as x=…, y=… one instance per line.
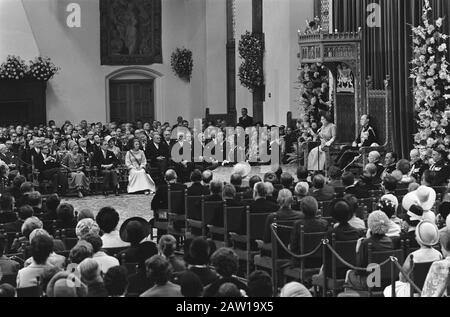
x=130, y=32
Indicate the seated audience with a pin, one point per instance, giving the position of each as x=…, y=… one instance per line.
x=294, y=289
x=190, y=285
x=81, y=251
x=216, y=188
x=197, y=189
x=198, y=262
x=24, y=213
x=139, y=282
x=229, y=196
x=369, y=181
x=427, y=235
x=59, y=287
x=226, y=263
x=355, y=221
x=86, y=226
x=284, y=214
x=65, y=217
x=335, y=177
x=91, y=276
x=310, y=224
x=436, y=281
x=34, y=199
x=54, y=259
x=104, y=261
x=260, y=285
x=51, y=205
x=6, y=209
x=116, y=281
x=251, y=183
x=41, y=248
x=236, y=181
x=135, y=231
x=378, y=224
x=7, y=266
x=108, y=219
x=287, y=181
x=322, y=191
x=389, y=209
x=167, y=246
x=159, y=272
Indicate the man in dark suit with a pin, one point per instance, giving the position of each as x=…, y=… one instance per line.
x=245, y=121
x=322, y=191
x=390, y=161
x=197, y=188
x=348, y=180
x=229, y=196
x=216, y=188
x=157, y=154
x=368, y=182
x=49, y=169
x=107, y=163
x=261, y=204
x=160, y=201
x=83, y=150
x=366, y=138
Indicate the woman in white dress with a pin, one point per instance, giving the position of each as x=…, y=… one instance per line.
x=327, y=135
x=138, y=179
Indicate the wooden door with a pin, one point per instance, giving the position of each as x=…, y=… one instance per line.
x=132, y=100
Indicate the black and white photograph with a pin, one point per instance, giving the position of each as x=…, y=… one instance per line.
x=224, y=154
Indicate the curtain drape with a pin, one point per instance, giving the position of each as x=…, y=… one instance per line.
x=388, y=51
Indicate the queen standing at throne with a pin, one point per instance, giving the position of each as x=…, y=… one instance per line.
x=317, y=159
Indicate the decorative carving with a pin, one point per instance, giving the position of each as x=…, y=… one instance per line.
x=325, y=15
x=130, y=32
x=345, y=79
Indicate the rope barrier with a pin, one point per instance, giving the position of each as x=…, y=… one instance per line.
x=406, y=275
x=296, y=256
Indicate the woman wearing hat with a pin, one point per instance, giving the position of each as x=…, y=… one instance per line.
x=427, y=235
x=136, y=162
x=74, y=163
x=112, y=145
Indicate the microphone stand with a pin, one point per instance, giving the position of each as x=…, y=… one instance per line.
x=353, y=161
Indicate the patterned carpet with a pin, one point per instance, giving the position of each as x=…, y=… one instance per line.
x=139, y=205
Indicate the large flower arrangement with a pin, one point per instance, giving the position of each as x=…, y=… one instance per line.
x=182, y=63
x=313, y=83
x=251, y=50
x=42, y=68
x=15, y=68
x=432, y=83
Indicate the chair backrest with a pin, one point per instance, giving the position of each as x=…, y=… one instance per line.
x=213, y=213
x=366, y=202
x=256, y=225
x=284, y=231
x=308, y=242
x=347, y=251
x=10, y=279
x=247, y=202
x=233, y=217
x=325, y=207
x=378, y=257
x=420, y=272
x=193, y=207
x=114, y=251
x=176, y=202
